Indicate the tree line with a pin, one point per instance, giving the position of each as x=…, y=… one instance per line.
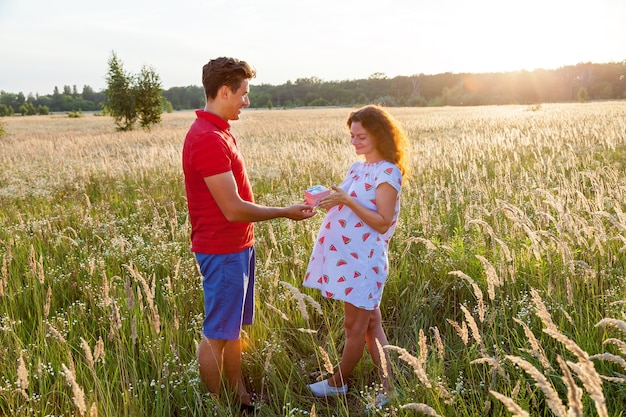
x=67, y=100
x=581, y=82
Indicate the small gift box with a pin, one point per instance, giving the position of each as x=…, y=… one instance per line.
x=313, y=195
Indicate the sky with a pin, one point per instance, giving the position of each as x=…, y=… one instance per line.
x=48, y=43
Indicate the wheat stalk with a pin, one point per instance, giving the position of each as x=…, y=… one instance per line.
x=149, y=292
x=615, y=379
x=542, y=311
x=268, y=358
x=429, y=245
x=40, y=273
x=22, y=376
x=316, y=306
x=494, y=362
x=98, y=350
x=552, y=397
x=277, y=311
x=492, y=235
x=461, y=330
x=105, y=290
x=130, y=295
x=88, y=354
x=616, y=323
x=536, y=349
x=328, y=365
x=416, y=363
x=79, y=394
x=4, y=277
x=133, y=330
x=307, y=331
x=46, y=307
x=270, y=231
x=422, y=408
x=569, y=291
x=493, y=280
x=116, y=322
x=510, y=405
x=609, y=357
x=477, y=293
x=54, y=332
x=621, y=345
x=574, y=392
x=474, y=328
x=592, y=383
x=383, y=360
x=585, y=369
x=438, y=343
x=299, y=297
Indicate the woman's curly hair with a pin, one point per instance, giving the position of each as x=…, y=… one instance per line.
x=390, y=138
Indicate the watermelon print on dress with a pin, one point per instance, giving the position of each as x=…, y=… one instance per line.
x=349, y=259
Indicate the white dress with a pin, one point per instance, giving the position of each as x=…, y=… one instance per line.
x=349, y=261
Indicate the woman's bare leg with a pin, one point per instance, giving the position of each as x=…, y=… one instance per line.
x=375, y=332
x=356, y=322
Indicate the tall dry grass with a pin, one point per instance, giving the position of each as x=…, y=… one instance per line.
x=506, y=294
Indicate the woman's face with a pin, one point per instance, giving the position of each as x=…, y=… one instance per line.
x=363, y=142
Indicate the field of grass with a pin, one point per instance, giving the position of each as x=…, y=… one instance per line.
x=507, y=291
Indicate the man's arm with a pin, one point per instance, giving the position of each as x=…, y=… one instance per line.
x=224, y=190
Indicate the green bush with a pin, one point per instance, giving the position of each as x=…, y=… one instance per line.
x=6, y=110
x=133, y=97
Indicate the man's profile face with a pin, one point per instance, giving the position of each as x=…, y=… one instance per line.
x=236, y=100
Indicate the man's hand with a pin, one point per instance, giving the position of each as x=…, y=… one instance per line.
x=300, y=212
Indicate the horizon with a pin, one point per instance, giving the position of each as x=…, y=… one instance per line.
x=252, y=83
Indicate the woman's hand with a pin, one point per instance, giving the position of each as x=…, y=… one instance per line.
x=337, y=197
x=379, y=219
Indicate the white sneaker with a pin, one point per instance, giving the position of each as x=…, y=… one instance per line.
x=323, y=389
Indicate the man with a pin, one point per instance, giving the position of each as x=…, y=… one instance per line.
x=222, y=212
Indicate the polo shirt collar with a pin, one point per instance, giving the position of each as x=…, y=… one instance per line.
x=213, y=118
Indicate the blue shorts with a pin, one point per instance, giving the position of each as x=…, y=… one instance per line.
x=228, y=283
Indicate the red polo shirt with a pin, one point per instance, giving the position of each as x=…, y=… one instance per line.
x=211, y=149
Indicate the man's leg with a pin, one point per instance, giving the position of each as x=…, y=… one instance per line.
x=232, y=370
x=210, y=361
x=228, y=285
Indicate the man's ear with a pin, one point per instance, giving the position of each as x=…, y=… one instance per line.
x=224, y=91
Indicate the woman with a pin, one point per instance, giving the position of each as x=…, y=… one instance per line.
x=349, y=261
